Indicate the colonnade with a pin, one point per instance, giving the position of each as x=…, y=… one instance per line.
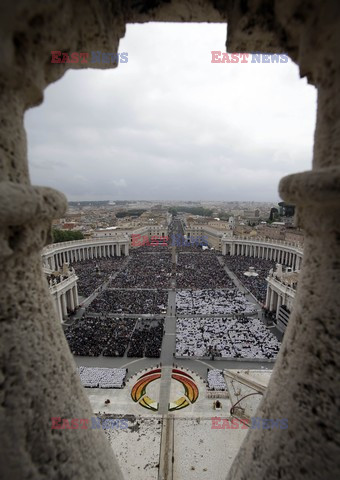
x=65, y=294
x=66, y=301
x=277, y=297
x=55, y=255
x=281, y=291
x=282, y=253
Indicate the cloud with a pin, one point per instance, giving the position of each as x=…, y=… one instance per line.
x=119, y=183
x=169, y=124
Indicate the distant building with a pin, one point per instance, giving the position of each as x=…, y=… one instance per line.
x=286, y=210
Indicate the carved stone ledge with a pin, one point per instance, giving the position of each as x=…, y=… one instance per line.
x=23, y=203
x=315, y=187
x=26, y=216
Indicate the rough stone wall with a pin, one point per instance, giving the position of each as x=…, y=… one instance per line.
x=305, y=384
x=37, y=378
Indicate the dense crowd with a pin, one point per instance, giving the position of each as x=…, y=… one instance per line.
x=147, y=339
x=157, y=248
x=238, y=337
x=102, y=377
x=139, y=288
x=202, y=271
x=256, y=285
x=93, y=336
x=146, y=270
x=215, y=380
x=194, y=248
x=93, y=273
x=227, y=301
x=130, y=301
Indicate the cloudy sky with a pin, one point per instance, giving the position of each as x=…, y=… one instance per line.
x=171, y=125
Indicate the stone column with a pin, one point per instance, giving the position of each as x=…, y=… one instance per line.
x=268, y=296
x=63, y=304
x=58, y=307
x=278, y=305
x=272, y=300
x=71, y=300
x=75, y=293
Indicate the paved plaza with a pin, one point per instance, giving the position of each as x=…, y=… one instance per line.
x=166, y=400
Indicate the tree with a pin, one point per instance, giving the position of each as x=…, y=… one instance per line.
x=65, y=235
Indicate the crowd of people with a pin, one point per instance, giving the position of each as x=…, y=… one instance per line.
x=215, y=380
x=204, y=288
x=93, y=273
x=201, y=302
x=147, y=340
x=236, y=337
x=202, y=271
x=94, y=336
x=256, y=285
x=158, y=247
x=130, y=301
x=94, y=377
x=146, y=270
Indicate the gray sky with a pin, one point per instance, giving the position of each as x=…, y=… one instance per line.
x=169, y=124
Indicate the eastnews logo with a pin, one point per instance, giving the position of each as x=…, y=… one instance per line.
x=84, y=57
x=256, y=423
x=222, y=57
x=178, y=240
x=94, y=423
